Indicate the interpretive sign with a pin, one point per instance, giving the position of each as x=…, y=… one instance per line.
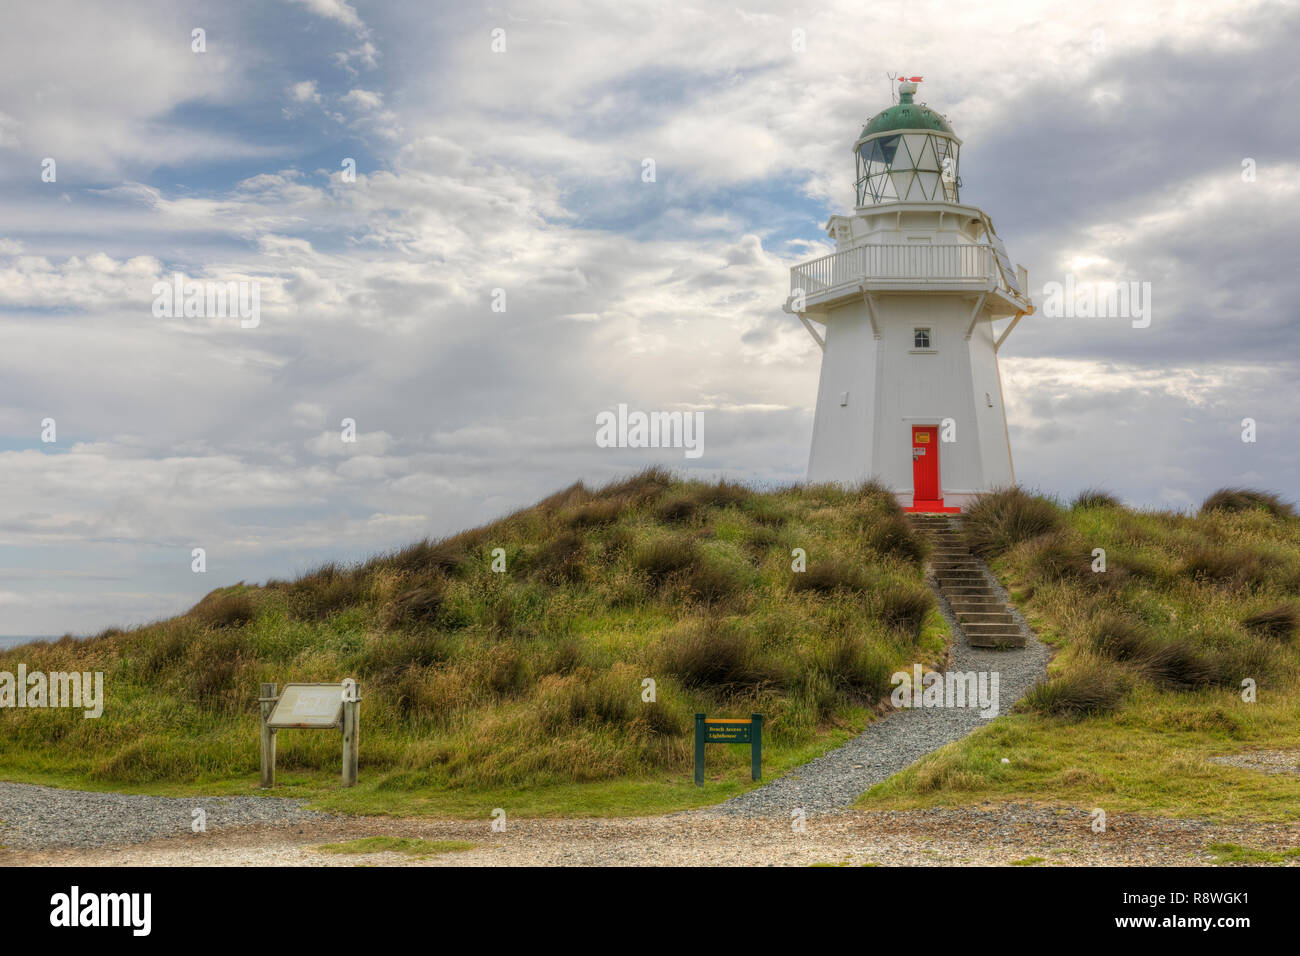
x=311, y=707
x=729, y=730
x=308, y=707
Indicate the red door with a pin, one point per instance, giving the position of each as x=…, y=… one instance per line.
x=925, y=463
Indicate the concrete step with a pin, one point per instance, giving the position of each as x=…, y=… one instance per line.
x=994, y=630
x=985, y=617
x=959, y=590
x=993, y=641
x=975, y=602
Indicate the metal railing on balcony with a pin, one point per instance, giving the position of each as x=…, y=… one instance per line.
x=967, y=263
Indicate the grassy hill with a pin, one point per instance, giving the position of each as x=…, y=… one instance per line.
x=520, y=688
x=1148, y=684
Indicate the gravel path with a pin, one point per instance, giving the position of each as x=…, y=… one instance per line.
x=38, y=817
x=836, y=779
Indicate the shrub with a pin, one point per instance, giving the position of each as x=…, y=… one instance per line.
x=640, y=488
x=829, y=576
x=1117, y=637
x=878, y=494
x=1001, y=519
x=599, y=511
x=447, y=556
x=1095, y=498
x=713, y=579
x=677, y=507
x=1231, y=565
x=1058, y=556
x=714, y=657
x=765, y=511
x=1088, y=688
x=220, y=609
x=723, y=493
x=683, y=504
x=855, y=667
x=389, y=655
x=904, y=608
x=167, y=648
x=568, y=497
x=1280, y=622
x=560, y=558
x=1172, y=662
x=328, y=589
x=586, y=696
x=419, y=606
x=663, y=555
x=892, y=536
x=1245, y=499
x=213, y=662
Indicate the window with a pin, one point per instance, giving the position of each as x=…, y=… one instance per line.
x=921, y=339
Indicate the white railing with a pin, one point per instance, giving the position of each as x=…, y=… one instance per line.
x=965, y=263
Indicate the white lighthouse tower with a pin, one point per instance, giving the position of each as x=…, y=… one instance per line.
x=910, y=393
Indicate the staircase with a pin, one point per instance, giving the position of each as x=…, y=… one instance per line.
x=963, y=580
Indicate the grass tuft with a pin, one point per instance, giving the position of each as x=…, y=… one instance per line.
x=999, y=520
x=403, y=845
x=1237, y=500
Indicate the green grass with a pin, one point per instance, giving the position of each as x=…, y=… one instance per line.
x=1147, y=682
x=1028, y=861
x=520, y=689
x=404, y=845
x=1226, y=854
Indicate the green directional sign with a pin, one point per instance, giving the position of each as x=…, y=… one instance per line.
x=729, y=730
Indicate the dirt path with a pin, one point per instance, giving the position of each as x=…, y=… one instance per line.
x=975, y=836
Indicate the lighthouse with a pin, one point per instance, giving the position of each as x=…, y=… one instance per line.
x=906, y=312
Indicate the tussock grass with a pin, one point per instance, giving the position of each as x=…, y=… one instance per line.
x=1280, y=622
x=1087, y=688
x=1246, y=499
x=1095, y=498
x=528, y=681
x=1002, y=519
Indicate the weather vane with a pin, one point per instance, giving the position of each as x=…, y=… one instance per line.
x=897, y=77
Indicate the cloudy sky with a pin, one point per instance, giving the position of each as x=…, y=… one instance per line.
x=1106, y=140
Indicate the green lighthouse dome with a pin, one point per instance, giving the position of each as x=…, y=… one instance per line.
x=905, y=115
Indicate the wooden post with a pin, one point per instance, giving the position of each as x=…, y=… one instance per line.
x=267, y=698
x=756, y=747
x=351, y=727
x=699, y=750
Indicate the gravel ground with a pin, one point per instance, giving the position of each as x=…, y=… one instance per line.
x=986, y=835
x=40, y=817
x=1265, y=761
x=837, y=778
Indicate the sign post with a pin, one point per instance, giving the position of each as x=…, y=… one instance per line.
x=312, y=707
x=267, y=699
x=729, y=730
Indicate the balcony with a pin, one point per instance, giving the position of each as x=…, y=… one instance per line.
x=902, y=267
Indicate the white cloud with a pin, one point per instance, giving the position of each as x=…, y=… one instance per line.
x=305, y=92
x=337, y=10
x=478, y=172
x=363, y=99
